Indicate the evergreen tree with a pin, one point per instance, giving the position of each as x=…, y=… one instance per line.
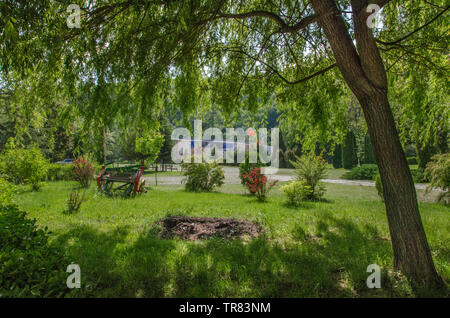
x=337, y=158
x=369, y=157
x=349, y=155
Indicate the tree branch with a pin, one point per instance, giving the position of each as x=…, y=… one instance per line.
x=274, y=70
x=284, y=27
x=415, y=31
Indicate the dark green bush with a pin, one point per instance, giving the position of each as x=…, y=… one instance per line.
x=419, y=176
x=57, y=172
x=410, y=151
x=412, y=160
x=363, y=172
x=202, y=176
x=29, y=266
x=337, y=157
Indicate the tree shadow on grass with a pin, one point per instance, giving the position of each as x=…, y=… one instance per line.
x=330, y=262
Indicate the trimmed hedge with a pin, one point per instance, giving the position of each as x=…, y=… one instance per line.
x=57, y=172
x=363, y=172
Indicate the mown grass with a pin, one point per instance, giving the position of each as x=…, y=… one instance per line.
x=321, y=249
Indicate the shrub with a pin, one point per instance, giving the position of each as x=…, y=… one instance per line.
x=410, y=151
x=311, y=169
x=202, y=176
x=83, y=171
x=23, y=166
x=419, y=176
x=256, y=183
x=296, y=192
x=57, y=172
x=29, y=267
x=438, y=171
x=74, y=202
x=379, y=186
x=7, y=193
x=363, y=172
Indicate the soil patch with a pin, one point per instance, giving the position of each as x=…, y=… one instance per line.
x=196, y=228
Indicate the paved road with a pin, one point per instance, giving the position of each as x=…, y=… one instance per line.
x=232, y=177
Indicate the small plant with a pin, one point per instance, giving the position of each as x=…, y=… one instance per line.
x=83, y=172
x=74, y=202
x=438, y=171
x=202, y=176
x=310, y=169
x=379, y=186
x=296, y=192
x=256, y=183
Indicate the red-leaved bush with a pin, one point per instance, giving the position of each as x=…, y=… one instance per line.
x=83, y=172
x=256, y=183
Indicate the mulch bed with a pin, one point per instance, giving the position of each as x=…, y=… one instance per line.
x=196, y=228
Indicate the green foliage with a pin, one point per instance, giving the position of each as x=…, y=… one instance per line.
x=148, y=147
x=23, y=166
x=363, y=172
x=59, y=172
x=29, y=267
x=425, y=153
x=379, y=186
x=349, y=151
x=419, y=176
x=337, y=157
x=310, y=169
x=438, y=170
x=7, y=193
x=369, y=157
x=83, y=171
x=296, y=192
x=202, y=176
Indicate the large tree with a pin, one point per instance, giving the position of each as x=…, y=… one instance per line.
x=130, y=54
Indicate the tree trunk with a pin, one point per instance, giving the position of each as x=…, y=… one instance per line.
x=411, y=251
x=364, y=72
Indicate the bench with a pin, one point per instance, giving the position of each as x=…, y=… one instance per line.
x=129, y=176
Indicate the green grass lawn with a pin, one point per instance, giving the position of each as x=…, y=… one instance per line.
x=319, y=250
